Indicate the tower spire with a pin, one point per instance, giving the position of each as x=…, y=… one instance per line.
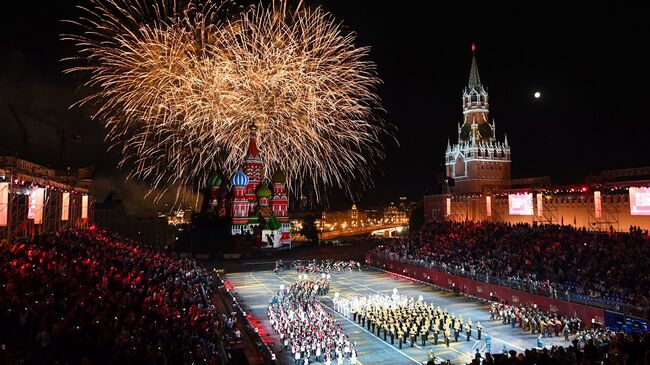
x=474, y=79
x=252, y=142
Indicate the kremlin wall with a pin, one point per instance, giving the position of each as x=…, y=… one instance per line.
x=479, y=184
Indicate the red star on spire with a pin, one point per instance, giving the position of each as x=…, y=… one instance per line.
x=473, y=47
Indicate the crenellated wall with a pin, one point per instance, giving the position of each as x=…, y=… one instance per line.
x=577, y=210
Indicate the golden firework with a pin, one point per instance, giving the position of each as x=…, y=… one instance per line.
x=180, y=83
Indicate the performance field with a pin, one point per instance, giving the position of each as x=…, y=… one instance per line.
x=256, y=288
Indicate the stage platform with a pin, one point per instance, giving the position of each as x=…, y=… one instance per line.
x=255, y=288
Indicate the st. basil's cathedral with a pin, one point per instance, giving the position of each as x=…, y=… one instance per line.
x=253, y=204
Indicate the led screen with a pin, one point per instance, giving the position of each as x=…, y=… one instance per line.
x=520, y=204
x=640, y=201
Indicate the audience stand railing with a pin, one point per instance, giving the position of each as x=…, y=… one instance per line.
x=527, y=286
x=264, y=350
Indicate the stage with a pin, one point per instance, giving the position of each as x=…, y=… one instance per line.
x=255, y=288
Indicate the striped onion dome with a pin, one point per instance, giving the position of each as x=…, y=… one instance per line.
x=263, y=191
x=215, y=180
x=239, y=179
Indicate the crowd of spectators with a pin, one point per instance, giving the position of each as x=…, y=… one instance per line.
x=594, y=346
x=87, y=297
x=553, y=259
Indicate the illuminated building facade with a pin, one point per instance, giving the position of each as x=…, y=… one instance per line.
x=353, y=218
x=394, y=214
x=253, y=206
x=478, y=159
x=35, y=199
x=482, y=188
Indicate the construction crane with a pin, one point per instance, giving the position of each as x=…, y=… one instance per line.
x=61, y=132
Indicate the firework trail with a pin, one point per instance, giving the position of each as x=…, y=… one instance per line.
x=178, y=85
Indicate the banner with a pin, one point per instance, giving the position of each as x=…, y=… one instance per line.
x=65, y=207
x=598, y=205
x=4, y=203
x=35, y=203
x=488, y=205
x=84, y=206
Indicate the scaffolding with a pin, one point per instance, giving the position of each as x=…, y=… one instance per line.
x=460, y=210
x=23, y=217
x=499, y=208
x=608, y=217
x=550, y=209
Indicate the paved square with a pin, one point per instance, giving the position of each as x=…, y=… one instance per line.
x=256, y=288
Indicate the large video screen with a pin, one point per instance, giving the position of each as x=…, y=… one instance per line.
x=520, y=204
x=640, y=201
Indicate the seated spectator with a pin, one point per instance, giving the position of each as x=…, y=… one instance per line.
x=552, y=259
x=92, y=297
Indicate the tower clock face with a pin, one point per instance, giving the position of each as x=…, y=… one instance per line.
x=485, y=130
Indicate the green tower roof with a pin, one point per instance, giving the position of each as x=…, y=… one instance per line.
x=215, y=180
x=474, y=79
x=263, y=191
x=279, y=177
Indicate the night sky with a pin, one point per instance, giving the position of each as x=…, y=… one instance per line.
x=588, y=63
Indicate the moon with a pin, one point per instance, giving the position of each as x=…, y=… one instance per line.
x=537, y=94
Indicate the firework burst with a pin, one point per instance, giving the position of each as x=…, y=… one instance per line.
x=180, y=83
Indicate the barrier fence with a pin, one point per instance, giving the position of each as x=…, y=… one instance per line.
x=267, y=354
x=512, y=292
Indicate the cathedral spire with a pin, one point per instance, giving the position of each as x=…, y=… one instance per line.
x=474, y=79
x=252, y=142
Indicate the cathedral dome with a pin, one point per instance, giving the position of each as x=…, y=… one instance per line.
x=239, y=179
x=279, y=177
x=215, y=180
x=263, y=191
